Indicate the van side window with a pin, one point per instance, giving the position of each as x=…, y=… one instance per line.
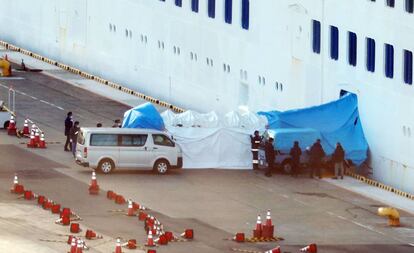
x=162, y=140
x=136, y=140
x=104, y=140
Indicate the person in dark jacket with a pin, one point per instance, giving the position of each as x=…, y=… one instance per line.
x=74, y=131
x=338, y=158
x=255, y=141
x=68, y=126
x=316, y=155
x=295, y=153
x=270, y=156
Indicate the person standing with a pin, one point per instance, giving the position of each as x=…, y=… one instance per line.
x=74, y=131
x=255, y=141
x=295, y=153
x=117, y=123
x=338, y=158
x=270, y=156
x=68, y=126
x=316, y=155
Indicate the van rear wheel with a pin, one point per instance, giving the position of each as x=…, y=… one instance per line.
x=161, y=166
x=6, y=124
x=106, y=166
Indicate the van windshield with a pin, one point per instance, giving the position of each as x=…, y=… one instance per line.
x=81, y=138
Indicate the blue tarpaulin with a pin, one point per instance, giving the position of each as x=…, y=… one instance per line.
x=284, y=137
x=143, y=116
x=337, y=121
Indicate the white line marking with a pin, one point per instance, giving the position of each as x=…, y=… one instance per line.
x=330, y=213
x=301, y=202
x=44, y=102
x=60, y=108
x=341, y=217
x=35, y=98
x=285, y=196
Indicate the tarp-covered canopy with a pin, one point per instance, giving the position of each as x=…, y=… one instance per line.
x=143, y=116
x=337, y=121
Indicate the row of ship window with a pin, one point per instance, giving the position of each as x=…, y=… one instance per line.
x=228, y=10
x=409, y=4
x=194, y=57
x=370, y=52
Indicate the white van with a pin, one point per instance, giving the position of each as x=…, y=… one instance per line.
x=108, y=148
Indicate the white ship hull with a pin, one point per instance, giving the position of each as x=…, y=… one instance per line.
x=197, y=62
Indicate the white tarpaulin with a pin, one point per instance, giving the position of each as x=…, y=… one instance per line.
x=210, y=141
x=213, y=147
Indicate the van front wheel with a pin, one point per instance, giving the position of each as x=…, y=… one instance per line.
x=161, y=166
x=106, y=166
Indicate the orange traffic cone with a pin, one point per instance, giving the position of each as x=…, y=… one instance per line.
x=26, y=130
x=274, y=250
x=11, y=130
x=150, y=240
x=130, y=208
x=118, y=248
x=31, y=143
x=73, y=245
x=258, y=231
x=311, y=248
x=16, y=188
x=42, y=143
x=79, y=247
x=268, y=228
x=37, y=137
x=94, y=187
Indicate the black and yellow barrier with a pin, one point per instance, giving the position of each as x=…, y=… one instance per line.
x=90, y=76
x=380, y=185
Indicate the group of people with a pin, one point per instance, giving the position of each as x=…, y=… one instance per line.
x=316, y=156
x=72, y=130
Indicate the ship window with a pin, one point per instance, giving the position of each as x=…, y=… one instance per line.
x=408, y=67
x=370, y=55
x=228, y=11
x=316, y=39
x=389, y=61
x=212, y=8
x=409, y=6
x=245, y=14
x=334, y=42
x=390, y=3
x=194, y=5
x=179, y=3
x=352, y=48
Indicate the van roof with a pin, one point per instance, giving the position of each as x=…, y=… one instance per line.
x=117, y=130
